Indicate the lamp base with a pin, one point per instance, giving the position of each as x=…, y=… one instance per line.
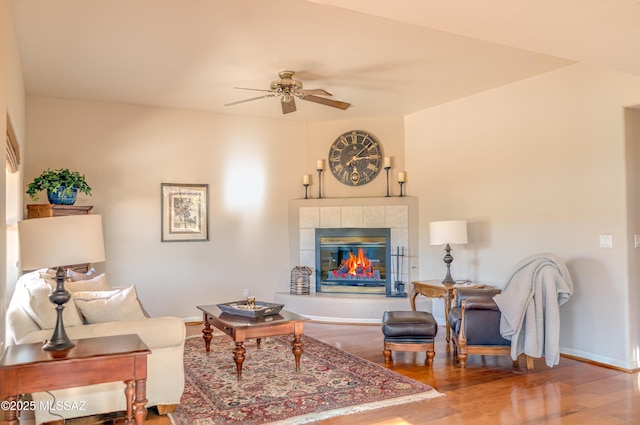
x=59, y=341
x=58, y=345
x=448, y=259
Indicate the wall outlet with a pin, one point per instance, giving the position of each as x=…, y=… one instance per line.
x=245, y=292
x=606, y=241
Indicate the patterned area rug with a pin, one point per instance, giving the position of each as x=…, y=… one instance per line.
x=330, y=382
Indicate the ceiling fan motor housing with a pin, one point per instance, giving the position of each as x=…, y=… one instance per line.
x=286, y=86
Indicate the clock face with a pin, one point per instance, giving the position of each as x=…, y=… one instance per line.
x=355, y=158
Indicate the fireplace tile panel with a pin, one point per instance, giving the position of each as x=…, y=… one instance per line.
x=397, y=215
x=330, y=217
x=373, y=216
x=309, y=217
x=399, y=237
x=351, y=216
x=308, y=258
x=308, y=239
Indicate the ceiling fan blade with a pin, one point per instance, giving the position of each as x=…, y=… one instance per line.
x=329, y=102
x=247, y=88
x=288, y=107
x=316, y=92
x=249, y=100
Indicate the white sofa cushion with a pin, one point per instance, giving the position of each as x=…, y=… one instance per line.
x=109, y=306
x=19, y=323
x=96, y=283
x=43, y=312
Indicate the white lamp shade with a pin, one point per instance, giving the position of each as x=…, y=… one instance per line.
x=60, y=241
x=448, y=232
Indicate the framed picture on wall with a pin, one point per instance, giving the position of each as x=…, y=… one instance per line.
x=184, y=213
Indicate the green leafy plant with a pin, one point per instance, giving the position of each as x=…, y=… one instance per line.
x=53, y=180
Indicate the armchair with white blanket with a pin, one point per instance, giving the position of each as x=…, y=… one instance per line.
x=530, y=306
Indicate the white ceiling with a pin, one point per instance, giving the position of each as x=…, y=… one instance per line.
x=386, y=58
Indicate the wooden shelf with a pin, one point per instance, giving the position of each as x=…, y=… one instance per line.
x=53, y=210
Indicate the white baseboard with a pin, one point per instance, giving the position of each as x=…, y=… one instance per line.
x=192, y=319
x=603, y=360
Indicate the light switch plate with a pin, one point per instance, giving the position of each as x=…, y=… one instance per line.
x=606, y=241
x=637, y=241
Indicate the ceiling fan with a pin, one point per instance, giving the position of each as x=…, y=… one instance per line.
x=288, y=89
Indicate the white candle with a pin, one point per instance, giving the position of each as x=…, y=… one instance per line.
x=401, y=177
x=305, y=179
x=320, y=165
x=387, y=162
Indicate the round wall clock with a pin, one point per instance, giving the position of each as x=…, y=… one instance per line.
x=355, y=158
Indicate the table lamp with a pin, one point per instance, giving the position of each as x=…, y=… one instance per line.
x=57, y=242
x=445, y=233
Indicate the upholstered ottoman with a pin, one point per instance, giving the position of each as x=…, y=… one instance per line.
x=409, y=331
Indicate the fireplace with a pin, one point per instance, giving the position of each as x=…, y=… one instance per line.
x=354, y=261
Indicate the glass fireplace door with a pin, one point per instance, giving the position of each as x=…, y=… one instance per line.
x=353, y=260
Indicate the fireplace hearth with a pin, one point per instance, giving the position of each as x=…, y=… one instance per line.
x=354, y=261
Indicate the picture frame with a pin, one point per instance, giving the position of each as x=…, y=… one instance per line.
x=184, y=212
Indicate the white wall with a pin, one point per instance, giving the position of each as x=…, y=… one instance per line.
x=252, y=166
x=536, y=166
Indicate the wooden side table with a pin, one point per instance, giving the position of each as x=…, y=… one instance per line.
x=26, y=368
x=437, y=289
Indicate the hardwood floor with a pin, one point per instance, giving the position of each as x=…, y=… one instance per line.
x=490, y=391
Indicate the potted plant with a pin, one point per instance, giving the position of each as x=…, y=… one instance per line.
x=62, y=186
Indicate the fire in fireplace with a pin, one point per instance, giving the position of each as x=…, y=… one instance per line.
x=356, y=267
x=353, y=260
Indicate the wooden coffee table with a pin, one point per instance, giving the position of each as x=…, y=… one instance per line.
x=241, y=328
x=26, y=368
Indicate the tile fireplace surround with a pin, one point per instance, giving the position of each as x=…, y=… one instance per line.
x=399, y=214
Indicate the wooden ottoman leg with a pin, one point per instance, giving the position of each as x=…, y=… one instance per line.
x=431, y=353
x=387, y=354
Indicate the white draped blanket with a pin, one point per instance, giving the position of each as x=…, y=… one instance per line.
x=530, y=306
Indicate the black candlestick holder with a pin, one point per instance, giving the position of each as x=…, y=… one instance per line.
x=320, y=183
x=401, y=183
x=387, y=170
x=306, y=190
